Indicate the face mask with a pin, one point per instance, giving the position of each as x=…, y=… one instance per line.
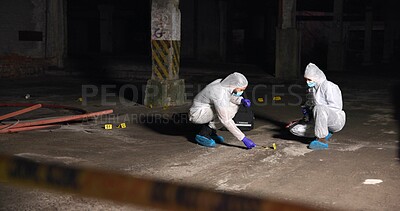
x=311, y=84
x=238, y=94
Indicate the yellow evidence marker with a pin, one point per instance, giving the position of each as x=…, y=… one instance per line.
x=108, y=126
x=277, y=98
x=122, y=125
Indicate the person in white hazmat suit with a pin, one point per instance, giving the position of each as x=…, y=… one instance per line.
x=216, y=105
x=327, y=109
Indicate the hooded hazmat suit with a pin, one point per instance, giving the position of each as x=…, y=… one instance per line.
x=327, y=106
x=216, y=105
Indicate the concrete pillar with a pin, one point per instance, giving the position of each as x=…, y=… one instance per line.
x=223, y=23
x=287, y=62
x=106, y=28
x=56, y=30
x=388, y=42
x=336, y=45
x=165, y=88
x=368, y=35
x=389, y=31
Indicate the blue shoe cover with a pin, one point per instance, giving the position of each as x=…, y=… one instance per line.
x=328, y=136
x=204, y=141
x=318, y=145
x=217, y=138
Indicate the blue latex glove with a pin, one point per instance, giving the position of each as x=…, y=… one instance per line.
x=249, y=143
x=246, y=102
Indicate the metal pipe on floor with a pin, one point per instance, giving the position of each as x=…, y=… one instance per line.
x=59, y=119
x=15, y=130
x=22, y=111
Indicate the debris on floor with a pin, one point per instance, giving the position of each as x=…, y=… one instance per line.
x=48, y=123
x=372, y=181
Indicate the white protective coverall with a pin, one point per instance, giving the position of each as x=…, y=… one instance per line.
x=216, y=105
x=328, y=105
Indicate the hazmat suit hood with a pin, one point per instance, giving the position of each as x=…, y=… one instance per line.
x=235, y=80
x=315, y=74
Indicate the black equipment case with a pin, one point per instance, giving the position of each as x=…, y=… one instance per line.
x=244, y=118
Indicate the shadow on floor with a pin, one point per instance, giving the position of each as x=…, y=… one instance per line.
x=282, y=132
x=176, y=125
x=396, y=104
x=232, y=145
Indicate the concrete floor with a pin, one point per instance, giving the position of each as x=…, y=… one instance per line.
x=156, y=145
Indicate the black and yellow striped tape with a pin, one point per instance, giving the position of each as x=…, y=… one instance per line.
x=128, y=189
x=165, y=58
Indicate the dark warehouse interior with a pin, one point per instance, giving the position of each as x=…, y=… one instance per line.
x=107, y=87
x=207, y=38
x=234, y=32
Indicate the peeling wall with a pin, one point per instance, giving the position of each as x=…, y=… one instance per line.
x=22, y=15
x=165, y=20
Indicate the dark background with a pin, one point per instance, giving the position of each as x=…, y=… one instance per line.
x=212, y=31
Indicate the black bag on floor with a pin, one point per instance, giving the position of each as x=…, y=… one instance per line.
x=244, y=118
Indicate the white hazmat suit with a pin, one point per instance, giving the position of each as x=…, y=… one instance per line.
x=216, y=105
x=327, y=106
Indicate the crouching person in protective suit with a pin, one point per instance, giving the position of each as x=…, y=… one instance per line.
x=324, y=106
x=215, y=106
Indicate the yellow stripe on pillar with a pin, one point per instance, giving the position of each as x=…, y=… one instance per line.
x=160, y=65
x=164, y=53
x=176, y=56
x=166, y=59
x=159, y=58
x=155, y=68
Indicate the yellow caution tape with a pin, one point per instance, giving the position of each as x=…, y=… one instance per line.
x=129, y=189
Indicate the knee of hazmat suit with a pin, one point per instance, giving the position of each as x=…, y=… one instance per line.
x=326, y=93
x=218, y=95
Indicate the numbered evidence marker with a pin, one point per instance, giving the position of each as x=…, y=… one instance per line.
x=122, y=125
x=108, y=126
